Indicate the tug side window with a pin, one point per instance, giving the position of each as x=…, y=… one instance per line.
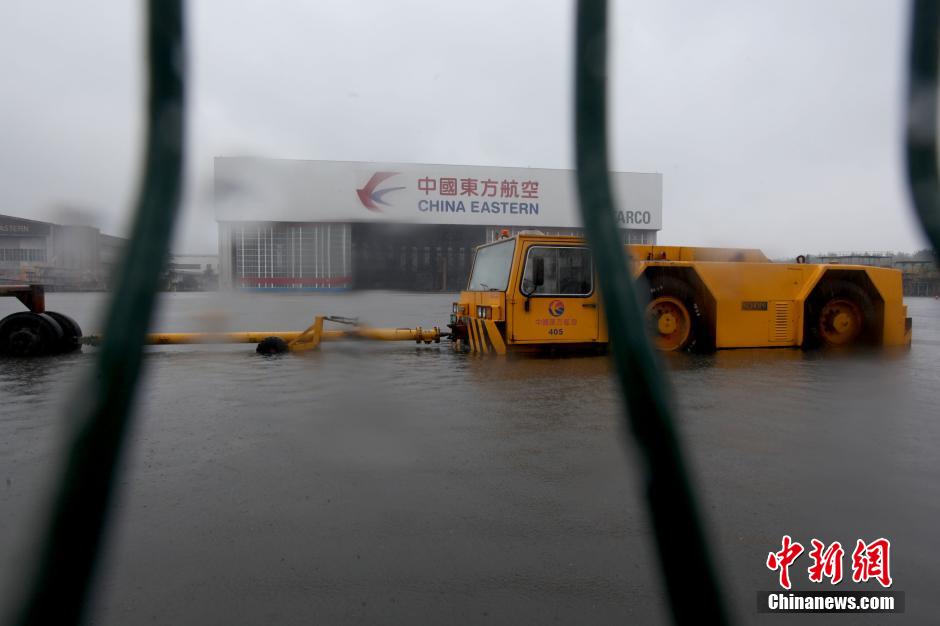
x=568, y=271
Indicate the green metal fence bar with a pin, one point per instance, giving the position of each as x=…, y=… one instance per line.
x=694, y=592
x=69, y=551
x=71, y=544
x=921, y=147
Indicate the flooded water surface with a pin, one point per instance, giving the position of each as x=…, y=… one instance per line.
x=395, y=483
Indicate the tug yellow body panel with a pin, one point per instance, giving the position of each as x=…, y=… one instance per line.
x=537, y=291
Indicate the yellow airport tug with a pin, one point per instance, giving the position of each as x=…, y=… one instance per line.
x=533, y=292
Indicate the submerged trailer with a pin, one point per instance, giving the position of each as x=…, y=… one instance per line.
x=36, y=332
x=532, y=292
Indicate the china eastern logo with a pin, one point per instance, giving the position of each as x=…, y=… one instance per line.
x=556, y=308
x=371, y=196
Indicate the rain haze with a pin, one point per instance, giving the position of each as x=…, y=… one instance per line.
x=775, y=126
x=466, y=457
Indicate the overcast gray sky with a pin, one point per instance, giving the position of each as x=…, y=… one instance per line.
x=775, y=124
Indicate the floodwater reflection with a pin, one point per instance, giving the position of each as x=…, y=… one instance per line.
x=331, y=484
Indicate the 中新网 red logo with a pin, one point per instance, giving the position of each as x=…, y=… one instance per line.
x=869, y=561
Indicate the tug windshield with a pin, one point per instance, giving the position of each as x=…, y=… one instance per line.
x=491, y=267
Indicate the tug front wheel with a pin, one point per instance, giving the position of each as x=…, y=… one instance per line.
x=675, y=317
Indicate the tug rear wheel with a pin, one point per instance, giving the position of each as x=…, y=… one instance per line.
x=839, y=314
x=840, y=322
x=675, y=316
x=29, y=334
x=71, y=333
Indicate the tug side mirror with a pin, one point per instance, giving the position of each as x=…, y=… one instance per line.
x=538, y=271
x=530, y=285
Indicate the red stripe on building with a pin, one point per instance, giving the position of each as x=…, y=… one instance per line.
x=278, y=281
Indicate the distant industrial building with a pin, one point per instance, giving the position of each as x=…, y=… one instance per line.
x=919, y=273
x=192, y=272
x=289, y=224
x=62, y=257
x=875, y=259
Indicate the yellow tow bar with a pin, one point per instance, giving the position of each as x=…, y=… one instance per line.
x=273, y=342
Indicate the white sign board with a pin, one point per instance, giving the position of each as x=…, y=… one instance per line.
x=255, y=190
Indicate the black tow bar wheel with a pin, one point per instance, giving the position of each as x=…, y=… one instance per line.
x=270, y=346
x=29, y=334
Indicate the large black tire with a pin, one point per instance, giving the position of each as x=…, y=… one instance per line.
x=71, y=333
x=700, y=337
x=28, y=334
x=817, y=327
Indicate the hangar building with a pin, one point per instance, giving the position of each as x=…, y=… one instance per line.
x=293, y=224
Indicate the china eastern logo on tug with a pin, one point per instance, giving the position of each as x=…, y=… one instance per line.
x=371, y=196
x=556, y=308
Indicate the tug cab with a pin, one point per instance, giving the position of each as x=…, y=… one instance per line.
x=533, y=292
x=529, y=292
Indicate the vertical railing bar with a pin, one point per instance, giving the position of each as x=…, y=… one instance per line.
x=691, y=581
x=71, y=542
x=921, y=133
